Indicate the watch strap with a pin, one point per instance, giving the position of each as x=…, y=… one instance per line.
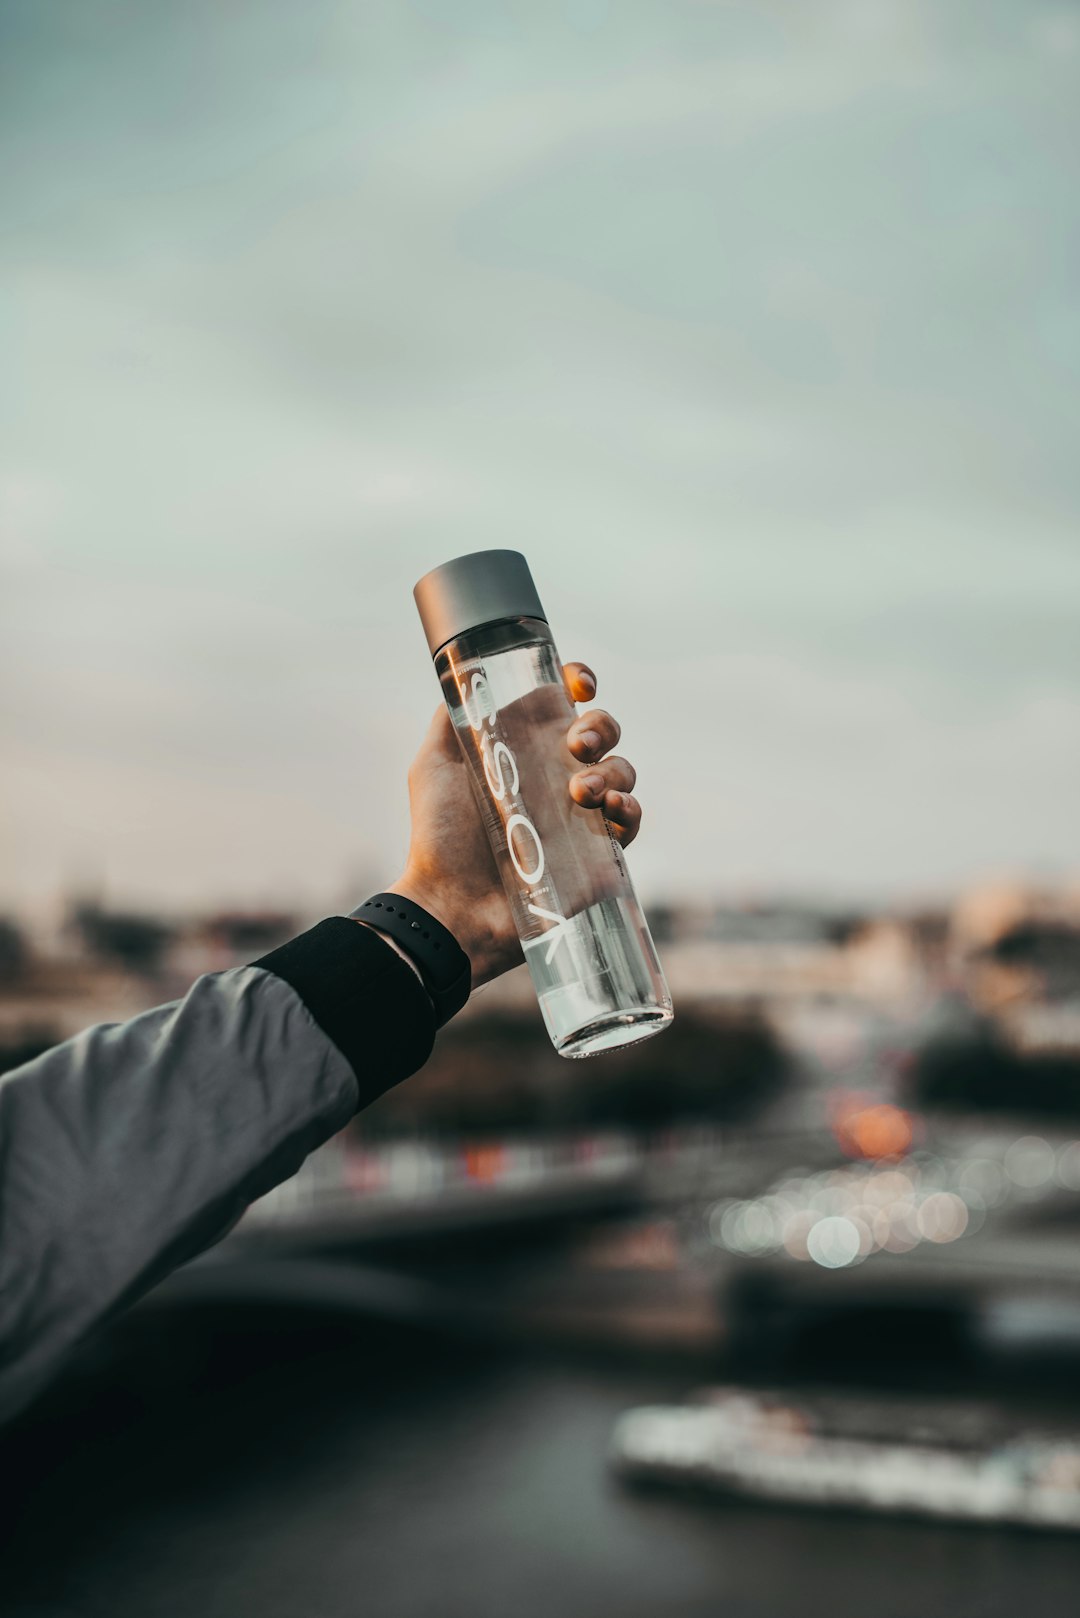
x=443, y=964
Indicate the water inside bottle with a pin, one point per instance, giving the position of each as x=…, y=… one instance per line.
x=593, y=981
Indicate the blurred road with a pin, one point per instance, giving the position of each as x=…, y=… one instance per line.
x=220, y=1461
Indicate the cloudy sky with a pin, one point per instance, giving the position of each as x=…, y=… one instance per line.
x=756, y=326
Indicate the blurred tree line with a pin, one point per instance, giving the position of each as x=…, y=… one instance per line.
x=496, y=1074
x=980, y=1072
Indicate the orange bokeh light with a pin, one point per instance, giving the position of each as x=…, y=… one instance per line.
x=873, y=1130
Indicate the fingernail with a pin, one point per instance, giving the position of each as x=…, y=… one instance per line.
x=595, y=783
x=590, y=739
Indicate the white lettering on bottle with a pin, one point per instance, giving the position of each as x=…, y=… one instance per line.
x=480, y=697
x=503, y=777
x=530, y=878
x=554, y=934
x=493, y=769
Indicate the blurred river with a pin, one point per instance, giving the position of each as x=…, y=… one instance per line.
x=217, y=1461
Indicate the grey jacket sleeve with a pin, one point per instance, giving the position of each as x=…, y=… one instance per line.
x=135, y=1145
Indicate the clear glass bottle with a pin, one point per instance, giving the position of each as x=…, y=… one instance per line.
x=586, y=942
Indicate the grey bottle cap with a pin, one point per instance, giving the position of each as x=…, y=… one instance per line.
x=480, y=588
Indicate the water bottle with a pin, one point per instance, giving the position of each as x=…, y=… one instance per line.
x=593, y=962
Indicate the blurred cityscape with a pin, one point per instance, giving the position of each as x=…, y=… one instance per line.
x=894, y=1095
x=818, y=1246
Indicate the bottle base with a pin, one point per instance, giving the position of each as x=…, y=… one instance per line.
x=617, y=1028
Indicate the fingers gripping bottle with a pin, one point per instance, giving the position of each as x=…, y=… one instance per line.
x=586, y=942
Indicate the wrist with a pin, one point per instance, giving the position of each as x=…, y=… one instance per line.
x=441, y=965
x=397, y=949
x=486, y=958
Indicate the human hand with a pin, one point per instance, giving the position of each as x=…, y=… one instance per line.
x=451, y=871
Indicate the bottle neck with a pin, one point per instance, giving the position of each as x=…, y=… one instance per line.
x=489, y=640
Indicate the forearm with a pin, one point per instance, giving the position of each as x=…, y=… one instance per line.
x=134, y=1146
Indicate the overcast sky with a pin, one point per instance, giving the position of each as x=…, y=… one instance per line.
x=755, y=326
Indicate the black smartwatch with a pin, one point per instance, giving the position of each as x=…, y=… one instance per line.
x=443, y=964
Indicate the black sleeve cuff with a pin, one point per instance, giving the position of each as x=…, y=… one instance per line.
x=363, y=996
